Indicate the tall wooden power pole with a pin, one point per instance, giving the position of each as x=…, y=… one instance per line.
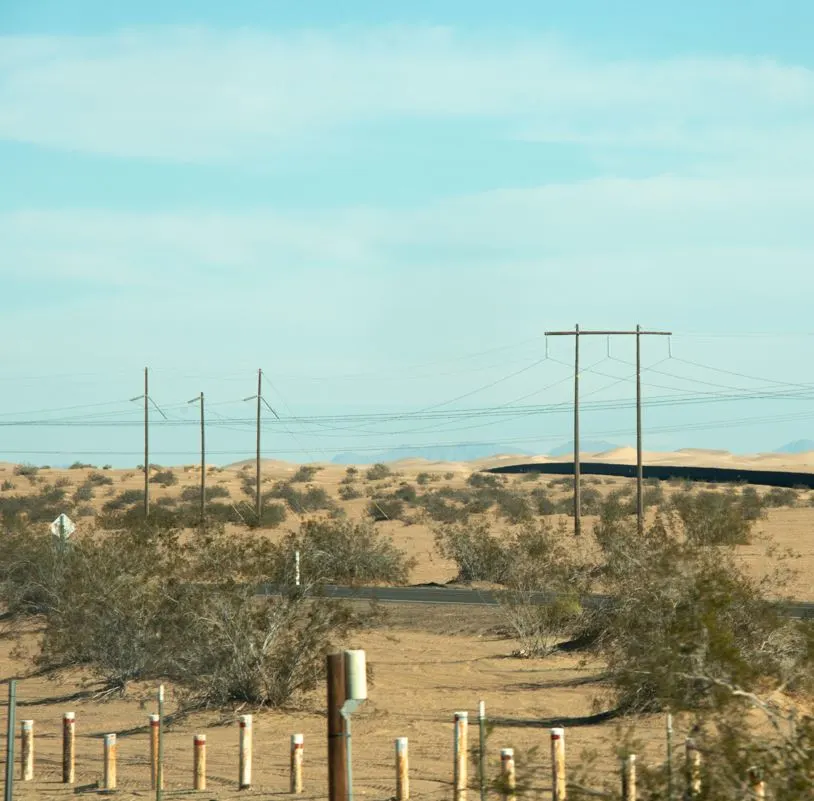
x=258, y=499
x=200, y=399
x=638, y=333
x=146, y=443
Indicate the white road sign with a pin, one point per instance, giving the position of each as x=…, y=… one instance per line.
x=63, y=527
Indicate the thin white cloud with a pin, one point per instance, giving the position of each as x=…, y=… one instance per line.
x=201, y=95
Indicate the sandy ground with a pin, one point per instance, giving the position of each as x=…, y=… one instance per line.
x=428, y=663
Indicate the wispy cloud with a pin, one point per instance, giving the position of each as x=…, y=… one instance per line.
x=203, y=95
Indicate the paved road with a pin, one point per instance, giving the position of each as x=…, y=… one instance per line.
x=440, y=594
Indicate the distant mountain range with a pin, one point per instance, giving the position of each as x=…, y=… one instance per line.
x=798, y=446
x=462, y=453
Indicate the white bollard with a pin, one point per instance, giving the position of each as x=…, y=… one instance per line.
x=558, y=784
x=297, y=745
x=402, y=770
x=245, y=766
x=199, y=762
x=27, y=749
x=507, y=773
x=461, y=755
x=109, y=774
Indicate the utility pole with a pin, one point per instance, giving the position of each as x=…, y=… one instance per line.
x=200, y=399
x=638, y=333
x=147, y=401
x=258, y=495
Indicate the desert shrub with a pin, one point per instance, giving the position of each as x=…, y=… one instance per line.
x=248, y=484
x=28, y=471
x=478, y=554
x=385, y=508
x=422, y=479
x=193, y=494
x=107, y=467
x=449, y=475
x=41, y=507
x=342, y=552
x=166, y=500
x=541, y=503
x=304, y=474
x=81, y=466
x=378, y=472
x=98, y=479
x=530, y=476
x=271, y=515
x=85, y=510
x=713, y=518
x=349, y=492
x=7, y=485
x=490, y=480
x=778, y=497
x=166, y=478
x=129, y=497
x=590, y=501
x=83, y=493
x=311, y=499
x=513, y=507
x=62, y=482
x=440, y=509
x=686, y=621
x=751, y=503
x=406, y=492
x=351, y=472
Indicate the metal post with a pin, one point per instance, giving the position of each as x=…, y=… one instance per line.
x=245, y=756
x=482, y=748
x=68, y=748
x=558, y=783
x=639, y=464
x=577, y=488
x=10, y=725
x=109, y=774
x=402, y=770
x=337, y=777
x=459, y=777
x=669, y=757
x=629, y=778
x=155, y=724
x=297, y=746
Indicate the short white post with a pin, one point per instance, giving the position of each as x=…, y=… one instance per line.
x=245, y=766
x=297, y=745
x=459, y=778
x=693, y=769
x=27, y=750
x=558, y=784
x=199, y=762
x=629, y=778
x=68, y=748
x=508, y=777
x=109, y=774
x=402, y=770
x=155, y=723
x=297, y=568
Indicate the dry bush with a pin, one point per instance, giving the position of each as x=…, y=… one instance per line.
x=304, y=474
x=349, y=492
x=165, y=478
x=714, y=518
x=378, y=472
x=342, y=552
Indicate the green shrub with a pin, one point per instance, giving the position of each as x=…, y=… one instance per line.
x=479, y=554
x=311, y=499
x=81, y=466
x=778, y=497
x=514, y=507
x=541, y=503
x=83, y=493
x=349, y=492
x=126, y=498
x=378, y=472
x=166, y=478
x=28, y=471
x=385, y=508
x=304, y=474
x=713, y=518
x=489, y=480
x=98, y=479
x=7, y=485
x=422, y=479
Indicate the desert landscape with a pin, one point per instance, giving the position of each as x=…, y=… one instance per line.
x=427, y=661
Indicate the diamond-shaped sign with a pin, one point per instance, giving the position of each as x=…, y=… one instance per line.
x=63, y=527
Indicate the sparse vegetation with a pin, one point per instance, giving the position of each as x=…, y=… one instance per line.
x=378, y=472
x=165, y=478
x=304, y=474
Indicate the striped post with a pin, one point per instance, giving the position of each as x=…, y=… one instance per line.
x=245, y=760
x=558, y=784
x=629, y=778
x=297, y=745
x=199, y=762
x=155, y=724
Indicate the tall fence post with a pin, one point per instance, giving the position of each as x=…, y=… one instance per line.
x=459, y=777
x=669, y=757
x=693, y=769
x=199, y=762
x=8, y=791
x=109, y=774
x=629, y=778
x=68, y=748
x=508, y=779
x=297, y=748
x=558, y=783
x=27, y=750
x=245, y=759
x=155, y=723
x=402, y=770
x=159, y=766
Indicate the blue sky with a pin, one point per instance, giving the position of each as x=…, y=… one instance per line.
x=368, y=199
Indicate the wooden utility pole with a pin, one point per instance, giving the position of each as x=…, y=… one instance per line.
x=146, y=443
x=638, y=333
x=200, y=399
x=258, y=499
x=337, y=774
